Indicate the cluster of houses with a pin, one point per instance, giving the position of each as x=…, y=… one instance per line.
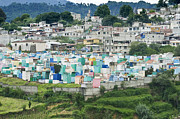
x=46, y=60
x=62, y=67
x=93, y=35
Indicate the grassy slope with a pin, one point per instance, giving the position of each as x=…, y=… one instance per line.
x=14, y=105
x=41, y=87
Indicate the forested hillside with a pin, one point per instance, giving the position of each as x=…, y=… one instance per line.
x=17, y=9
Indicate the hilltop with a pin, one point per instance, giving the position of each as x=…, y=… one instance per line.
x=17, y=9
x=8, y=2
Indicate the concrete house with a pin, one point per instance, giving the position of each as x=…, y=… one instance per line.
x=29, y=45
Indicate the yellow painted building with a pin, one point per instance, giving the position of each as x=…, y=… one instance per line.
x=156, y=29
x=92, y=41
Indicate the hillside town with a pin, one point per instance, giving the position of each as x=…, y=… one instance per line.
x=32, y=53
x=93, y=55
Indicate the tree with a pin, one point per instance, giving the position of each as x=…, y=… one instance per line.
x=152, y=11
x=162, y=3
x=66, y=16
x=57, y=68
x=23, y=20
x=125, y=10
x=117, y=24
x=25, y=16
x=167, y=48
x=115, y=88
x=162, y=86
x=2, y=16
x=138, y=49
x=177, y=51
x=131, y=19
x=144, y=17
x=110, y=20
x=91, y=50
x=50, y=17
x=155, y=47
x=79, y=46
x=102, y=11
x=174, y=1
x=144, y=112
x=156, y=19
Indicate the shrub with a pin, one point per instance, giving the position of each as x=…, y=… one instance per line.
x=24, y=107
x=115, y=87
x=107, y=112
x=125, y=102
x=144, y=112
x=159, y=107
x=102, y=90
x=78, y=114
x=127, y=92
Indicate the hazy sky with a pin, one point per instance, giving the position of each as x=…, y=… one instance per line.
x=105, y=1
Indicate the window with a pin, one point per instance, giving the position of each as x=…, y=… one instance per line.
x=99, y=33
x=173, y=43
x=26, y=44
x=116, y=47
x=15, y=44
x=104, y=32
x=125, y=47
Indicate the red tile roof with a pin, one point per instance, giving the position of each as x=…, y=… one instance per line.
x=150, y=61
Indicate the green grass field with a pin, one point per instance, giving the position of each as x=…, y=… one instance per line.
x=41, y=87
x=15, y=105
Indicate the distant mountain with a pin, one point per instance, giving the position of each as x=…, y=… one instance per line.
x=52, y=2
x=17, y=9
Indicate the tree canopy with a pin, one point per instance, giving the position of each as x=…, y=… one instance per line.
x=177, y=51
x=66, y=16
x=110, y=20
x=162, y=3
x=156, y=19
x=174, y=1
x=23, y=20
x=102, y=11
x=2, y=16
x=52, y=17
x=49, y=17
x=125, y=10
x=142, y=49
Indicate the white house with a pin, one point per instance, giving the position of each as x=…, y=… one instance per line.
x=28, y=45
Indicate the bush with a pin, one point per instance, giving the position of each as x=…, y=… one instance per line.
x=0, y=104
x=102, y=90
x=115, y=88
x=24, y=107
x=107, y=112
x=143, y=112
x=159, y=107
x=127, y=92
x=126, y=102
x=78, y=114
